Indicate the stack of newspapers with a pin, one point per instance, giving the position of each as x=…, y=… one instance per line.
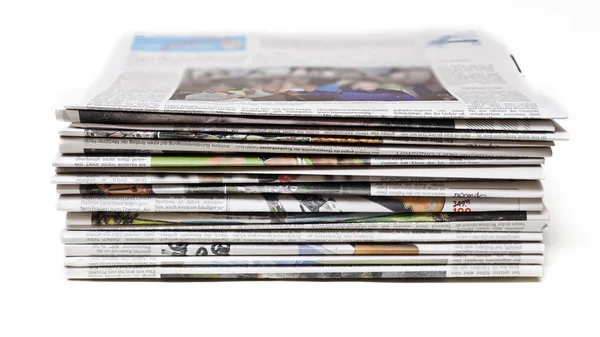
x=409, y=155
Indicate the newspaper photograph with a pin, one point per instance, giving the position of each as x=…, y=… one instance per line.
x=276, y=160
x=317, y=203
x=76, y=145
x=533, y=172
x=514, y=221
x=419, y=74
x=307, y=272
x=269, y=249
x=558, y=132
x=463, y=189
x=161, y=178
x=97, y=237
x=110, y=261
x=189, y=135
x=144, y=119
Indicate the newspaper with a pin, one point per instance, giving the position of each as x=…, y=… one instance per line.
x=252, y=203
x=476, y=226
x=559, y=132
x=97, y=237
x=212, y=121
x=269, y=249
x=133, y=178
x=515, y=221
x=75, y=145
x=108, y=261
x=464, y=189
x=297, y=272
x=420, y=74
x=188, y=135
x=277, y=160
x=340, y=173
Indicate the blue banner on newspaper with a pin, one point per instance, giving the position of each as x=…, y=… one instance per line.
x=189, y=44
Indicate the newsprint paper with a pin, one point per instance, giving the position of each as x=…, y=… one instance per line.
x=188, y=135
x=290, y=203
x=271, y=249
x=163, y=178
x=76, y=145
x=421, y=74
x=308, y=272
x=96, y=237
x=145, y=119
x=513, y=221
x=464, y=189
x=277, y=160
x=110, y=261
x=332, y=173
x=441, y=135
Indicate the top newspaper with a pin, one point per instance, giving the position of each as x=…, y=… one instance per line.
x=426, y=74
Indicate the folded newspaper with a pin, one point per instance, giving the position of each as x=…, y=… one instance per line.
x=503, y=221
x=462, y=189
x=425, y=74
x=400, y=155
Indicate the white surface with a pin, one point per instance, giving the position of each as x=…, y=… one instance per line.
x=51, y=47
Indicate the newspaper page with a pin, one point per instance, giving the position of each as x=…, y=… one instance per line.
x=149, y=178
x=190, y=135
x=177, y=120
x=464, y=189
x=558, y=134
x=76, y=145
x=307, y=272
x=97, y=237
x=533, y=172
x=252, y=203
x=418, y=74
x=514, y=221
x=269, y=249
x=108, y=261
x=277, y=160
x=475, y=226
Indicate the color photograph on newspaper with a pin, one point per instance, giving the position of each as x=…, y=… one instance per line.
x=311, y=84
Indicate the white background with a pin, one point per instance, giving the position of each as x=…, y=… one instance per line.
x=49, y=48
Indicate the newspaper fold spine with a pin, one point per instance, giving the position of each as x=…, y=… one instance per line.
x=290, y=203
x=422, y=133
x=149, y=178
x=321, y=272
x=459, y=221
x=277, y=160
x=113, y=117
x=103, y=261
x=533, y=172
x=268, y=249
x=76, y=145
x=466, y=189
x=475, y=226
x=182, y=135
x=96, y=237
